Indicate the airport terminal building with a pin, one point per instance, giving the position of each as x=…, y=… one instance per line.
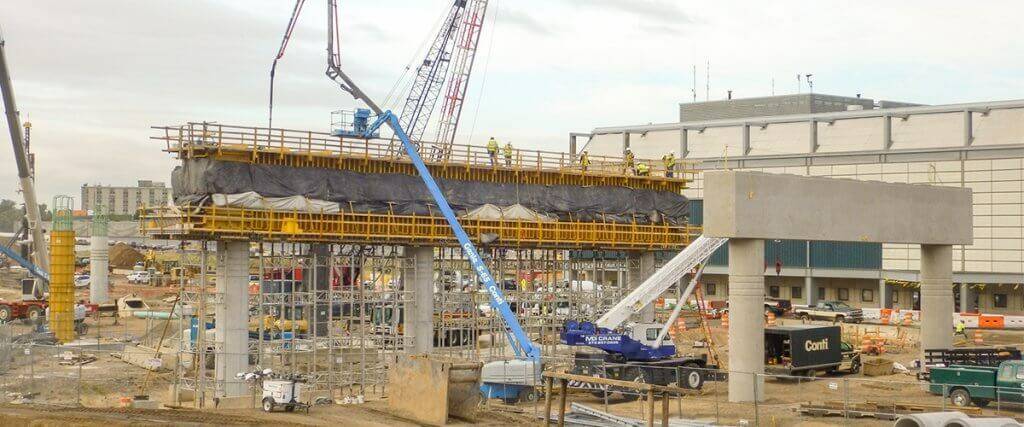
x=976, y=145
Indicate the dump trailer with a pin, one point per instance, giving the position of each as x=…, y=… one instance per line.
x=802, y=349
x=979, y=385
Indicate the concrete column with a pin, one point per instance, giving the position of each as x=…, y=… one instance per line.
x=419, y=318
x=809, y=291
x=967, y=298
x=320, y=282
x=99, y=262
x=885, y=294
x=936, y=296
x=746, y=321
x=886, y=132
x=641, y=266
x=232, y=316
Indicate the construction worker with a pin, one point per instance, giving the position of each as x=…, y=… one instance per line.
x=961, y=329
x=507, y=151
x=79, y=313
x=630, y=160
x=584, y=161
x=642, y=169
x=492, y=150
x=670, y=163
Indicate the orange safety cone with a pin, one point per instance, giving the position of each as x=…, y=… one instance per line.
x=725, y=320
x=978, y=339
x=771, y=319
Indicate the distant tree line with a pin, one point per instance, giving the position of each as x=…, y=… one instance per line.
x=10, y=214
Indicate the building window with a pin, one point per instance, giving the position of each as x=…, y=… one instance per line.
x=796, y=292
x=821, y=293
x=999, y=300
x=709, y=288
x=773, y=291
x=867, y=295
x=844, y=294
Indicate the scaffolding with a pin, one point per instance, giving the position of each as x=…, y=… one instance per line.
x=212, y=222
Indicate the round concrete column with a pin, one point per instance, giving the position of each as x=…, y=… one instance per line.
x=746, y=320
x=936, y=296
x=99, y=261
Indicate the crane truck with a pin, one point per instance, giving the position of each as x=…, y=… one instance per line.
x=638, y=351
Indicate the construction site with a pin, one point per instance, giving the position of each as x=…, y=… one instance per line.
x=382, y=270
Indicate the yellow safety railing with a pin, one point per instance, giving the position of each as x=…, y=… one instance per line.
x=211, y=222
x=260, y=144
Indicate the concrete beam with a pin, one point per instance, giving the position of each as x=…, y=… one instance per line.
x=232, y=316
x=746, y=321
x=767, y=206
x=419, y=323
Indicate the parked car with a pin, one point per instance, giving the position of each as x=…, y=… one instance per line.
x=82, y=281
x=834, y=311
x=139, y=277
x=778, y=306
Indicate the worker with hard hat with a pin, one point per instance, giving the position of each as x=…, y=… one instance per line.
x=642, y=169
x=670, y=163
x=492, y=150
x=507, y=151
x=584, y=160
x=630, y=160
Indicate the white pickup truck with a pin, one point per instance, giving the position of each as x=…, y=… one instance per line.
x=834, y=311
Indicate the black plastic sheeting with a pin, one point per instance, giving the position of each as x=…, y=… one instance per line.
x=197, y=179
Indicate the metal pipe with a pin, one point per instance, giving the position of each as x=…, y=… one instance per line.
x=39, y=255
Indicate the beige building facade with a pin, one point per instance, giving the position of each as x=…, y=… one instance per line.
x=977, y=145
x=125, y=200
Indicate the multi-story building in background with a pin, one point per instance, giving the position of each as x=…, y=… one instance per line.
x=125, y=200
x=977, y=145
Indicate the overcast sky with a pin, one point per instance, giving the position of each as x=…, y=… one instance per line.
x=94, y=75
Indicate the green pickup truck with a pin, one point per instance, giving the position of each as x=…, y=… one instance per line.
x=979, y=384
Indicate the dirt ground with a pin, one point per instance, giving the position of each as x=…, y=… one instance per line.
x=108, y=379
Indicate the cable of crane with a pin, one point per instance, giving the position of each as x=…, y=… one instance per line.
x=280, y=53
x=487, y=64
x=390, y=100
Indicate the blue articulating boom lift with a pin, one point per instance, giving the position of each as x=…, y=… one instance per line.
x=512, y=380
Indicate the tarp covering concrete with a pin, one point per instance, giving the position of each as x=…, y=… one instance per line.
x=252, y=200
x=197, y=180
x=515, y=212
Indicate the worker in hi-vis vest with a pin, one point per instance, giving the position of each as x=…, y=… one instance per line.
x=492, y=150
x=584, y=161
x=507, y=151
x=670, y=163
x=630, y=161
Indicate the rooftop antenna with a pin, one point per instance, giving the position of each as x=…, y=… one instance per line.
x=693, y=89
x=810, y=83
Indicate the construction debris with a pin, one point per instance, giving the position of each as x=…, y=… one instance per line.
x=68, y=358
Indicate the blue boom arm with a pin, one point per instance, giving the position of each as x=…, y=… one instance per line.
x=521, y=343
x=32, y=268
